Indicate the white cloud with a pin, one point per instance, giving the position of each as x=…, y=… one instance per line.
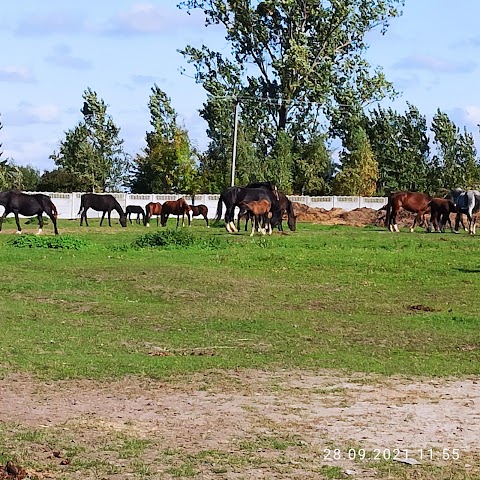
x=28, y=114
x=15, y=73
x=435, y=64
x=62, y=57
x=472, y=114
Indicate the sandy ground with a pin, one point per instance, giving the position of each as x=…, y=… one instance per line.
x=222, y=411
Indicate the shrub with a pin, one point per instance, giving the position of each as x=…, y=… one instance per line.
x=66, y=242
x=167, y=238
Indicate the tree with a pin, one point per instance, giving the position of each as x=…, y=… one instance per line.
x=93, y=150
x=360, y=169
x=401, y=147
x=10, y=175
x=30, y=178
x=167, y=162
x=454, y=163
x=60, y=180
x=291, y=64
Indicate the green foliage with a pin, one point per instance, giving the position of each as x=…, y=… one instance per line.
x=60, y=180
x=59, y=242
x=455, y=163
x=289, y=64
x=167, y=163
x=177, y=239
x=400, y=144
x=165, y=238
x=360, y=169
x=10, y=175
x=92, y=151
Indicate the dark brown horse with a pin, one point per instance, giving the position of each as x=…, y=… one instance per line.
x=440, y=210
x=151, y=209
x=413, y=202
x=177, y=207
x=198, y=210
x=28, y=205
x=135, y=209
x=101, y=203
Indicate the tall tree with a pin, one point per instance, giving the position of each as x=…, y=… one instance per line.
x=454, y=163
x=359, y=172
x=290, y=63
x=93, y=150
x=167, y=163
x=400, y=144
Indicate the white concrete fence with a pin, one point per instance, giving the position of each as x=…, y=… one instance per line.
x=68, y=204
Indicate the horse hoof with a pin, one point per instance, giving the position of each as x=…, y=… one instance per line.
x=39, y=231
x=18, y=232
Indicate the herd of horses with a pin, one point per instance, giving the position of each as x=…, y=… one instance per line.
x=260, y=203
x=459, y=202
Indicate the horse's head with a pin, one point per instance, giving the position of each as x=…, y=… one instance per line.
x=123, y=220
x=292, y=222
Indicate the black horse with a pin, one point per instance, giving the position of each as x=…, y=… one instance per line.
x=135, y=209
x=233, y=196
x=20, y=203
x=285, y=207
x=101, y=203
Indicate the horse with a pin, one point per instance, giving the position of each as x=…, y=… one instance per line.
x=260, y=211
x=177, y=207
x=440, y=210
x=414, y=202
x=28, y=205
x=100, y=203
x=233, y=196
x=467, y=202
x=285, y=206
x=198, y=210
x=135, y=209
x=152, y=208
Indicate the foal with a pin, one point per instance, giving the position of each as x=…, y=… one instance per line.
x=260, y=211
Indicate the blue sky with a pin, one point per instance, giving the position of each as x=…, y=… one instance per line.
x=52, y=51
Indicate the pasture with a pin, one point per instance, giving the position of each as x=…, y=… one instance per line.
x=295, y=323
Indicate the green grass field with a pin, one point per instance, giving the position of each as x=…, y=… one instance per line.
x=360, y=299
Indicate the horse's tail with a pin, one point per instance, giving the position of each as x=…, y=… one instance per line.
x=82, y=205
x=218, y=215
x=388, y=215
x=54, y=209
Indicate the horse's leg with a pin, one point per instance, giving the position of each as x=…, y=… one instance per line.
x=109, y=222
x=183, y=220
x=40, y=223
x=54, y=221
x=228, y=227
x=103, y=216
x=252, y=221
x=206, y=220
x=17, y=220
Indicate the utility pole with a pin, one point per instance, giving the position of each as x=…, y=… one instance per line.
x=234, y=147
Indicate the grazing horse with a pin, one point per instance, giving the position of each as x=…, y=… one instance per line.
x=260, y=211
x=233, y=196
x=414, y=202
x=177, y=207
x=440, y=210
x=135, y=209
x=28, y=205
x=198, y=210
x=100, y=203
x=285, y=206
x=467, y=202
x=152, y=208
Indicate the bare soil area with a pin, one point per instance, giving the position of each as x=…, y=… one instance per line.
x=242, y=425
x=359, y=217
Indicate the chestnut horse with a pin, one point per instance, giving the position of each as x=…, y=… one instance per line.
x=260, y=212
x=177, y=207
x=151, y=209
x=414, y=202
x=198, y=210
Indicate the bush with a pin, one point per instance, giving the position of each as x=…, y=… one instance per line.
x=167, y=238
x=177, y=238
x=65, y=242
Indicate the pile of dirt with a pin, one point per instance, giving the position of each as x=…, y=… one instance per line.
x=358, y=217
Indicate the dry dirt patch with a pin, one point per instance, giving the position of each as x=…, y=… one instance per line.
x=256, y=424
